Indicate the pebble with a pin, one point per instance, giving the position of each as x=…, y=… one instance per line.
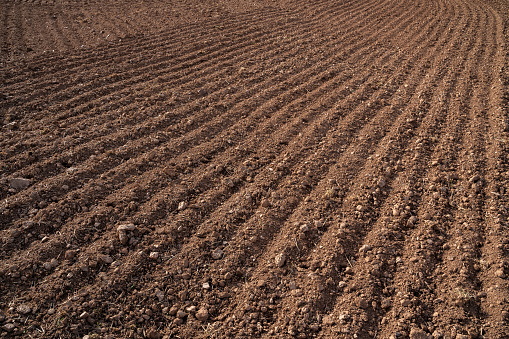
x=265, y=203
x=126, y=227
x=365, y=248
x=411, y=221
x=106, y=259
x=217, y=254
x=363, y=303
x=51, y=264
x=69, y=255
x=386, y=303
x=500, y=273
x=181, y=314
x=280, y=259
x=159, y=294
x=23, y=309
x=154, y=255
x=360, y=208
x=19, y=183
x=328, y=320
x=182, y=205
x=122, y=237
x=173, y=310
x=9, y=327
x=202, y=314
x=416, y=333
x=304, y=228
x=153, y=334
x=344, y=317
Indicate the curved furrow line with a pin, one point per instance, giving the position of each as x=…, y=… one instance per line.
x=121, y=51
x=481, y=263
x=107, y=53
x=57, y=86
x=410, y=261
x=152, y=68
x=315, y=78
x=16, y=24
x=495, y=213
x=59, y=117
x=457, y=289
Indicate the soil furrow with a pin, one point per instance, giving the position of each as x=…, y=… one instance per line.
x=64, y=172
x=282, y=169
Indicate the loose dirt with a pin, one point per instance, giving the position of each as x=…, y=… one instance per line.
x=276, y=169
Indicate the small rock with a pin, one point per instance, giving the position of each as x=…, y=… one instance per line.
x=19, y=183
x=51, y=264
x=202, y=314
x=126, y=227
x=365, y=248
x=416, y=333
x=191, y=309
x=500, y=273
x=181, y=314
x=122, y=237
x=405, y=302
x=265, y=203
x=217, y=254
x=159, y=294
x=9, y=327
x=69, y=255
x=206, y=286
x=153, y=334
x=106, y=259
x=84, y=315
x=363, y=303
x=154, y=255
x=411, y=221
x=182, y=205
x=386, y=303
x=23, y=309
x=360, y=208
x=328, y=320
x=344, y=317
x=173, y=310
x=304, y=228
x=280, y=259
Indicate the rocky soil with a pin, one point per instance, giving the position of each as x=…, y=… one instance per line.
x=240, y=169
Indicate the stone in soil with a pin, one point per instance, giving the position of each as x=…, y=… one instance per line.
x=202, y=314
x=19, y=183
x=280, y=259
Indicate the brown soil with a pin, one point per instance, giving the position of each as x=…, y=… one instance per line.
x=324, y=168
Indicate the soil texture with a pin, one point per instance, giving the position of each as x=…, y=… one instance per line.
x=275, y=169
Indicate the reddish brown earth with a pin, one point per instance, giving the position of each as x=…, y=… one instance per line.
x=187, y=169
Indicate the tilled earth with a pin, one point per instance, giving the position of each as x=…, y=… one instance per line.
x=323, y=168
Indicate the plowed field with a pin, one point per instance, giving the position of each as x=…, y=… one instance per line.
x=323, y=168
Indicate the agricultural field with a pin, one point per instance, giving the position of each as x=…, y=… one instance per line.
x=246, y=169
